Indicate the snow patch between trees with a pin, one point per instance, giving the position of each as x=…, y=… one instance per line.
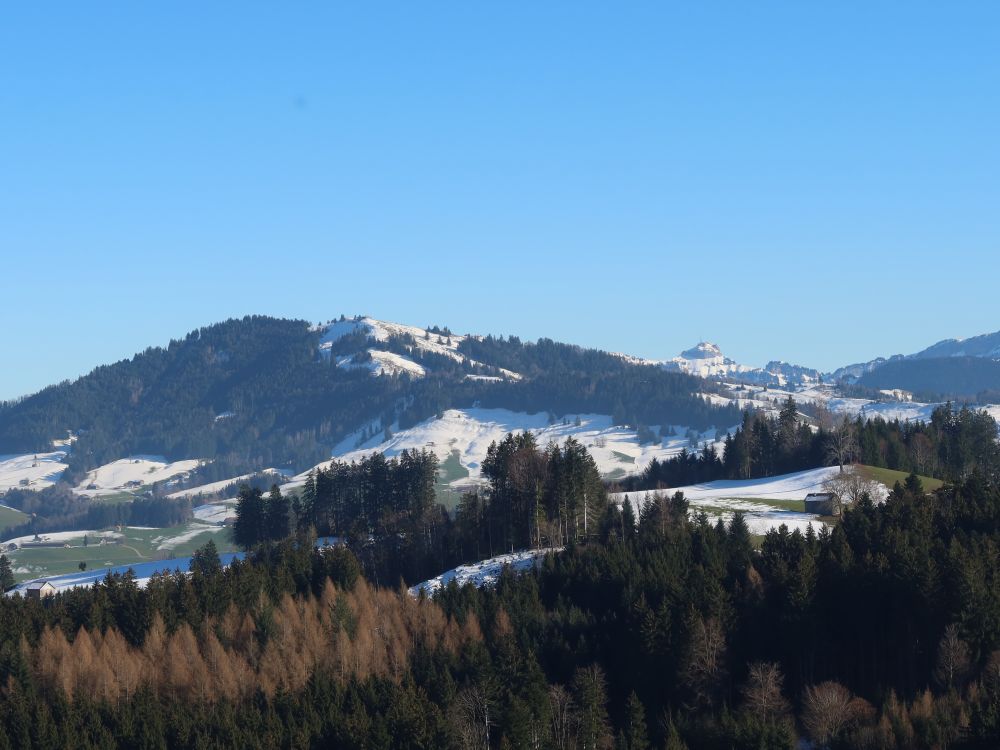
x=484, y=572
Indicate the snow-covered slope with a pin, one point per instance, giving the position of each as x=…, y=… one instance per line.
x=784, y=487
x=211, y=488
x=483, y=573
x=31, y=471
x=135, y=471
x=469, y=432
x=382, y=331
x=379, y=361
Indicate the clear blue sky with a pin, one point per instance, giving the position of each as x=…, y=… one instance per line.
x=818, y=182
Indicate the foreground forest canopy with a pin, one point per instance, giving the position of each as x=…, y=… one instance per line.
x=657, y=631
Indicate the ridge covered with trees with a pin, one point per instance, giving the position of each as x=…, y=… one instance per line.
x=256, y=393
x=937, y=378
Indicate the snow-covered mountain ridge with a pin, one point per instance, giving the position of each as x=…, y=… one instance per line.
x=985, y=346
x=706, y=360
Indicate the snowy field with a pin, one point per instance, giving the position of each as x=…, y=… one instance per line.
x=125, y=473
x=63, y=537
x=720, y=498
x=31, y=471
x=482, y=573
x=760, y=517
x=169, y=542
x=215, y=513
x=784, y=487
x=383, y=363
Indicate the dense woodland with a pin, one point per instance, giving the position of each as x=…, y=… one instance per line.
x=255, y=393
x=956, y=442
x=661, y=631
x=385, y=509
x=937, y=378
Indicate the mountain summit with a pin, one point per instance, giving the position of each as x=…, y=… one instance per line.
x=706, y=360
x=704, y=350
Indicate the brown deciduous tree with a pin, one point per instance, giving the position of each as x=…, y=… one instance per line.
x=829, y=710
x=474, y=718
x=842, y=444
x=952, y=659
x=762, y=695
x=704, y=666
x=851, y=485
x=560, y=716
x=355, y=633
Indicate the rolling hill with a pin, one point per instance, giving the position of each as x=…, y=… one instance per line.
x=263, y=393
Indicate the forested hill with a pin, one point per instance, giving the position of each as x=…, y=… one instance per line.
x=939, y=377
x=260, y=392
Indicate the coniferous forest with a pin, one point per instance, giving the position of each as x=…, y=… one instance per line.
x=385, y=509
x=955, y=442
x=658, y=631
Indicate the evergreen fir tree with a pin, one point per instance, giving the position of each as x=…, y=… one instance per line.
x=249, y=529
x=674, y=740
x=205, y=560
x=628, y=520
x=590, y=696
x=6, y=574
x=277, y=515
x=635, y=733
x=307, y=503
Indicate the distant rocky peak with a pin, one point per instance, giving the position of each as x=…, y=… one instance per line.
x=704, y=350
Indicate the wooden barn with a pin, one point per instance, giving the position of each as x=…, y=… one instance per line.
x=40, y=590
x=823, y=503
